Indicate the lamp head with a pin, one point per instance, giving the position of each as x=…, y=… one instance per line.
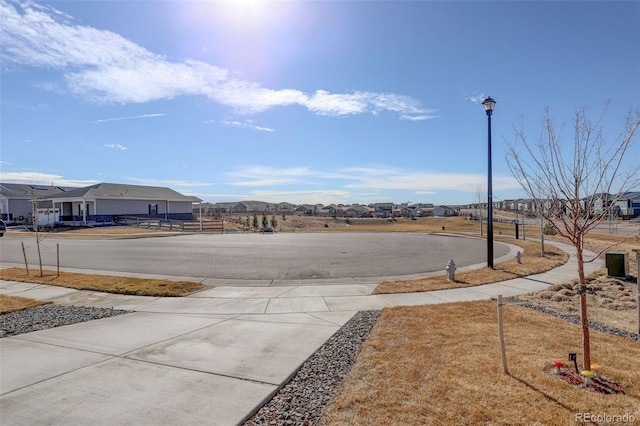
x=488, y=105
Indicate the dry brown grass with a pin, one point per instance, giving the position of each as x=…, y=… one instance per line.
x=110, y=232
x=440, y=364
x=423, y=224
x=15, y=303
x=107, y=284
x=611, y=301
x=532, y=263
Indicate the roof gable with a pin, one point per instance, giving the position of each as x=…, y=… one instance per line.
x=27, y=192
x=125, y=192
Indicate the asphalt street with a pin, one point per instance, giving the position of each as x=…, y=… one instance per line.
x=287, y=256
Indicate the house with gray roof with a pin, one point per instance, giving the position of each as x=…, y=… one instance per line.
x=104, y=202
x=17, y=200
x=359, y=211
x=629, y=204
x=285, y=208
x=444, y=211
x=306, y=210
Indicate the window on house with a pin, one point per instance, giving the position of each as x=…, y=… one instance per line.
x=153, y=209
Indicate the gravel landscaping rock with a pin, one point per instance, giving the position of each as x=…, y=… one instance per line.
x=302, y=400
x=49, y=316
x=574, y=318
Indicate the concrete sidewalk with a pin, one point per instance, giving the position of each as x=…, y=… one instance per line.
x=209, y=359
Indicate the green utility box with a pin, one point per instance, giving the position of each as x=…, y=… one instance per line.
x=617, y=263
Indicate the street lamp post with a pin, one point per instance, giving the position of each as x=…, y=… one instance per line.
x=488, y=105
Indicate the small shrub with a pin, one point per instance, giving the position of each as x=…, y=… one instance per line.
x=567, y=293
x=558, y=297
x=546, y=294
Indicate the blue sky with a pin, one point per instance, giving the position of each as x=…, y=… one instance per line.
x=304, y=102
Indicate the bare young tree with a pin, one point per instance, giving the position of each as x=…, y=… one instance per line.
x=580, y=182
x=34, y=209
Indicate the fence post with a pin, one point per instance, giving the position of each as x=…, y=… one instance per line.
x=637, y=251
x=503, y=354
x=24, y=254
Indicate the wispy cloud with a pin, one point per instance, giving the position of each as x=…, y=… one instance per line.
x=257, y=176
x=371, y=178
x=169, y=182
x=39, y=178
x=476, y=97
x=418, y=117
x=133, y=117
x=246, y=124
x=116, y=146
x=326, y=196
x=382, y=178
x=102, y=66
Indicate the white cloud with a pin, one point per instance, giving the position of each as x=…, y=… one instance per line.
x=328, y=196
x=255, y=176
x=476, y=97
x=381, y=178
x=247, y=124
x=133, y=117
x=116, y=146
x=369, y=179
x=418, y=117
x=39, y=178
x=102, y=66
x=325, y=103
x=169, y=183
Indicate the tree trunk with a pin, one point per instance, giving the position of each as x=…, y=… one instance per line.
x=584, y=320
x=541, y=238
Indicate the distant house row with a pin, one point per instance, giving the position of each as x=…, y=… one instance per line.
x=105, y=202
x=95, y=204
x=331, y=210
x=626, y=205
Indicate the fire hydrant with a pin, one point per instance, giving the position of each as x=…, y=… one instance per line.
x=451, y=270
x=519, y=256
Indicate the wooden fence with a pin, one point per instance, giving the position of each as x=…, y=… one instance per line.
x=207, y=225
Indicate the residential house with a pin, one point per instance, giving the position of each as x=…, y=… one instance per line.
x=383, y=209
x=358, y=211
x=285, y=208
x=16, y=200
x=306, y=210
x=331, y=210
x=103, y=202
x=443, y=211
x=629, y=204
